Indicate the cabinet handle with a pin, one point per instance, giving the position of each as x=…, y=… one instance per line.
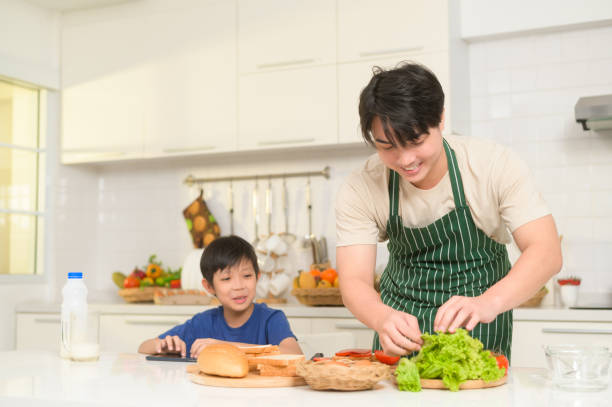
x=138, y=322
x=278, y=142
x=47, y=320
x=181, y=150
x=350, y=325
x=576, y=331
x=390, y=51
x=281, y=64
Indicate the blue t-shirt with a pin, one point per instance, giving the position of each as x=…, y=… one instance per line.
x=264, y=326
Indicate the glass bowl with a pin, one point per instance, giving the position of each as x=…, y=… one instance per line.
x=579, y=367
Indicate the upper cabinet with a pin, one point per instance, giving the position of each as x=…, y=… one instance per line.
x=154, y=82
x=378, y=28
x=276, y=34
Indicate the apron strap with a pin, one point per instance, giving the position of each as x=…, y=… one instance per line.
x=393, y=192
x=455, y=176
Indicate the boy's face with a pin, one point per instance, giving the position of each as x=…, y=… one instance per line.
x=234, y=286
x=422, y=163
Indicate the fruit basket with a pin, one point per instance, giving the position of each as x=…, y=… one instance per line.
x=137, y=294
x=318, y=296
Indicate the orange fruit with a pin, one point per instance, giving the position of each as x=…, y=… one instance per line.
x=329, y=275
x=315, y=272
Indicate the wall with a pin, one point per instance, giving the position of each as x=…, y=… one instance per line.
x=523, y=92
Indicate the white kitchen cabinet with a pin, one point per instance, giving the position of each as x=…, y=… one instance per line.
x=276, y=34
x=353, y=77
x=363, y=335
x=124, y=333
x=288, y=108
x=150, y=83
x=529, y=337
x=374, y=28
x=300, y=325
x=38, y=332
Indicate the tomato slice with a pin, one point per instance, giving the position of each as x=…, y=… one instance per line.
x=502, y=362
x=315, y=359
x=354, y=352
x=386, y=359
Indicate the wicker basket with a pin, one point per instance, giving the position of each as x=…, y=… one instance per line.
x=318, y=296
x=325, y=376
x=138, y=294
x=536, y=300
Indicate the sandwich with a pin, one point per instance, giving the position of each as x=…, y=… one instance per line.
x=223, y=359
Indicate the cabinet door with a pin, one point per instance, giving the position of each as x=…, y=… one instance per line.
x=372, y=28
x=121, y=333
x=191, y=98
x=529, y=337
x=300, y=325
x=353, y=77
x=103, y=80
x=363, y=335
x=38, y=332
x=288, y=108
x=275, y=34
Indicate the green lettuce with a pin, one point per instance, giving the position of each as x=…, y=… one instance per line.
x=455, y=358
x=407, y=375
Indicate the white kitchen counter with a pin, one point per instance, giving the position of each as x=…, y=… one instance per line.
x=42, y=378
x=296, y=311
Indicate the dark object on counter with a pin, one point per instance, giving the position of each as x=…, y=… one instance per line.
x=317, y=355
x=169, y=357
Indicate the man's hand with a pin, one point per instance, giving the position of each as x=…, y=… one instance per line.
x=199, y=344
x=171, y=344
x=459, y=312
x=399, y=333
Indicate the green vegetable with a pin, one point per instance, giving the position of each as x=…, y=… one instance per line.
x=455, y=358
x=407, y=375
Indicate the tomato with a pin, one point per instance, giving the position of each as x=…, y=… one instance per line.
x=386, y=359
x=355, y=353
x=175, y=284
x=131, y=282
x=502, y=362
x=320, y=359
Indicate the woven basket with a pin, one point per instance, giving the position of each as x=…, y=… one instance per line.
x=536, y=300
x=138, y=294
x=324, y=376
x=318, y=296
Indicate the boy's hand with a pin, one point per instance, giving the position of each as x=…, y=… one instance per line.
x=199, y=344
x=171, y=344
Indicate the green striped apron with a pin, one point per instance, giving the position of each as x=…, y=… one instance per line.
x=449, y=257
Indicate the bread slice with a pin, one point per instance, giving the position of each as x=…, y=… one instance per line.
x=223, y=359
x=259, y=349
x=275, y=360
x=269, y=370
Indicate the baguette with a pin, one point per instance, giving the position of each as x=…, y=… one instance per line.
x=223, y=359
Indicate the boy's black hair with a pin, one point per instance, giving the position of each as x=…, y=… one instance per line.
x=226, y=252
x=408, y=99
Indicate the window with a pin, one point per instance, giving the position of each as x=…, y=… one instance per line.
x=22, y=165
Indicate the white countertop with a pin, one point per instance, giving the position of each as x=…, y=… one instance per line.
x=42, y=378
x=296, y=311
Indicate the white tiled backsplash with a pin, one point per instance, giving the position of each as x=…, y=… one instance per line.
x=523, y=91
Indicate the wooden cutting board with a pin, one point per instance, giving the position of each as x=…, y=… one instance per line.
x=468, y=385
x=253, y=379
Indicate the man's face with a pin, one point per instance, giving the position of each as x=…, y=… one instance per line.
x=422, y=162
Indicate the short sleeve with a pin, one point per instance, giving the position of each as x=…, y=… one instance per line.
x=519, y=200
x=355, y=215
x=277, y=328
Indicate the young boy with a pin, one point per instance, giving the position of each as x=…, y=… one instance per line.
x=230, y=271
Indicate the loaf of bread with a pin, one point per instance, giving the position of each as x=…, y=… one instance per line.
x=223, y=359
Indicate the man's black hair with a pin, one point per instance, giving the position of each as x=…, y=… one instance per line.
x=226, y=252
x=408, y=100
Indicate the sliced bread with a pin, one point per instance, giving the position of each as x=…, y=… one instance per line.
x=275, y=360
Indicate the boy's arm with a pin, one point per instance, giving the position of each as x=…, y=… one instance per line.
x=290, y=346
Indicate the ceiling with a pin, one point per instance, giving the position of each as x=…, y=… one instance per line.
x=70, y=5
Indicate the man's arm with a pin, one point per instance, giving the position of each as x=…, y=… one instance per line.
x=398, y=332
x=540, y=259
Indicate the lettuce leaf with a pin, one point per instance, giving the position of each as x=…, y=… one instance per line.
x=455, y=358
x=407, y=375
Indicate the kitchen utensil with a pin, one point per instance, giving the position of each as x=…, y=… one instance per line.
x=323, y=257
x=310, y=240
x=269, y=206
x=255, y=242
x=289, y=238
x=253, y=379
x=579, y=367
x=230, y=199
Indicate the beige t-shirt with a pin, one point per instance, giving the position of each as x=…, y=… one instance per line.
x=498, y=186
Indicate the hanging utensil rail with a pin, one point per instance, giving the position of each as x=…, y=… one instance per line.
x=191, y=180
